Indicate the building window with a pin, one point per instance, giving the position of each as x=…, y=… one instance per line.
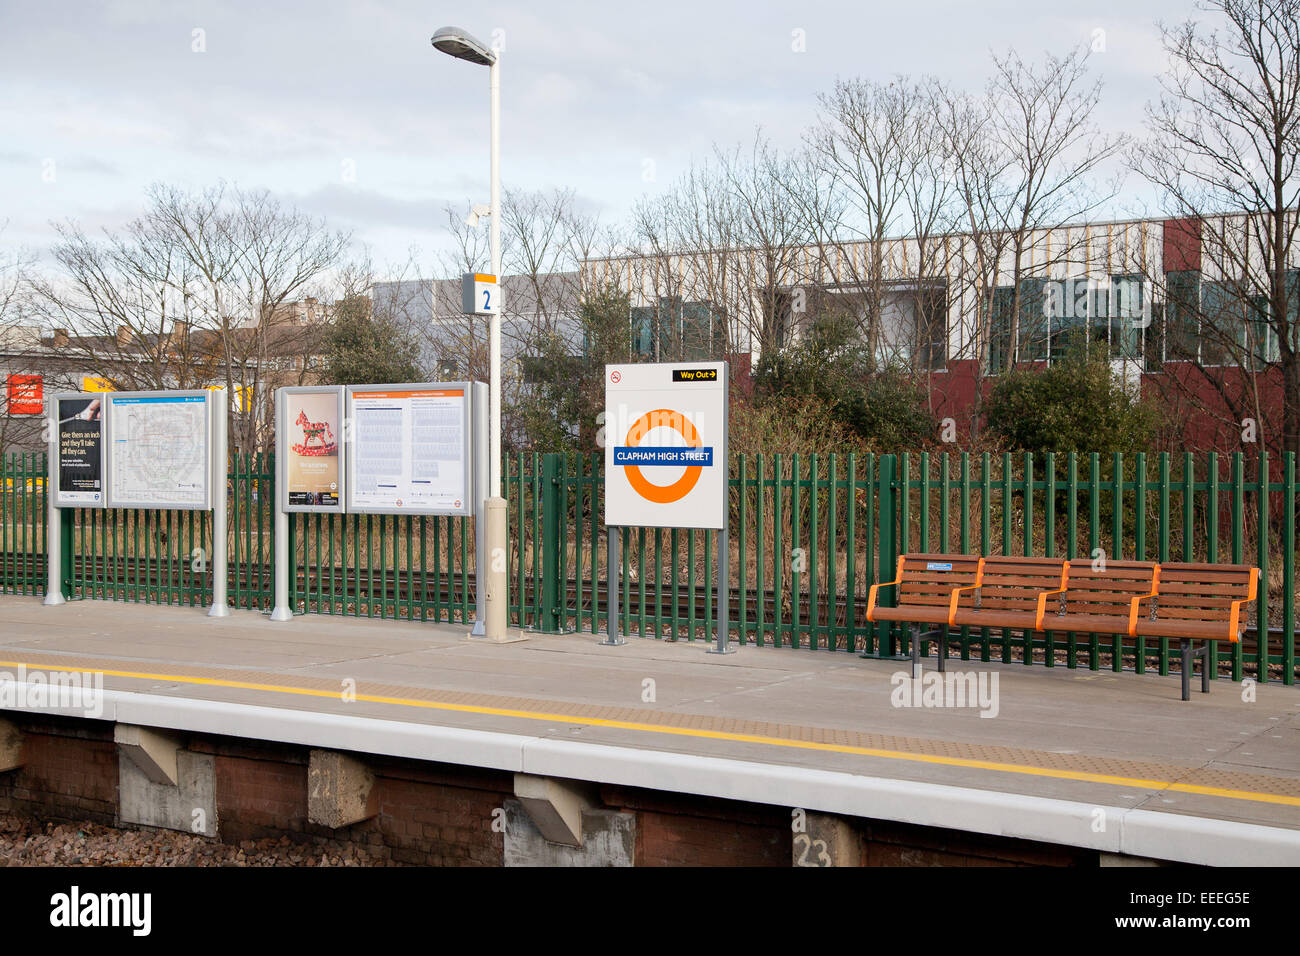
x=1033, y=327
x=1182, y=307
x=1003, y=302
x=674, y=330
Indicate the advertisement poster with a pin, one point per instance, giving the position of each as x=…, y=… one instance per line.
x=81, y=452
x=410, y=449
x=311, y=429
x=158, y=443
x=26, y=395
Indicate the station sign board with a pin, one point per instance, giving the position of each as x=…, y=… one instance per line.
x=666, y=445
x=480, y=294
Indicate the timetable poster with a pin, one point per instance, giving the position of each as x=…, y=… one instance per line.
x=409, y=450
x=81, y=452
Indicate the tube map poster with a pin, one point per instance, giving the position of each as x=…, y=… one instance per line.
x=159, y=450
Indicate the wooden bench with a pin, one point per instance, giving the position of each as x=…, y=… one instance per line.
x=926, y=586
x=1102, y=597
x=1197, y=602
x=1011, y=593
x=1188, y=602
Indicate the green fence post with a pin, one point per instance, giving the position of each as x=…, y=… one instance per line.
x=887, y=538
x=548, y=619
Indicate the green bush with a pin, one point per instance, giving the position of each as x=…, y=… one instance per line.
x=889, y=413
x=883, y=410
x=1074, y=405
x=366, y=349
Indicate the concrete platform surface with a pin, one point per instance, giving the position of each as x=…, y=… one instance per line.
x=1081, y=744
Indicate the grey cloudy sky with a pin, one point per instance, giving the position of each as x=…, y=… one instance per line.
x=292, y=96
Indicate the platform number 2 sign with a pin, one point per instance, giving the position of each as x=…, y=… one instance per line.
x=480, y=294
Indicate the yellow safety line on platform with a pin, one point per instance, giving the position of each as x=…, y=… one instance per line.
x=1110, y=779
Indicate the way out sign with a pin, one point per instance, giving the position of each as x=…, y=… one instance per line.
x=666, y=445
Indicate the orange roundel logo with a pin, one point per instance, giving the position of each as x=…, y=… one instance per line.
x=679, y=489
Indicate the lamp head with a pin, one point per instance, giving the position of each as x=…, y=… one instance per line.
x=463, y=45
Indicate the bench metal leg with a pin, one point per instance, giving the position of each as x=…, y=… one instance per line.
x=916, y=650
x=943, y=649
x=1188, y=656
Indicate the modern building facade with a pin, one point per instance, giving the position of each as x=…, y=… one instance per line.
x=1173, y=305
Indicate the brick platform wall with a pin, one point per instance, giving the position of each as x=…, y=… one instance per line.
x=442, y=815
x=70, y=770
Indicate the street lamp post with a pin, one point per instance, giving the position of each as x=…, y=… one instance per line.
x=464, y=46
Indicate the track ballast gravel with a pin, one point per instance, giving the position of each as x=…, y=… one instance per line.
x=26, y=841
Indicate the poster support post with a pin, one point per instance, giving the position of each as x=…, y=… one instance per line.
x=281, y=611
x=724, y=594
x=220, y=467
x=612, y=586
x=481, y=492
x=53, y=515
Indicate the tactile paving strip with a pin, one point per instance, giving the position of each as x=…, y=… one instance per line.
x=1158, y=774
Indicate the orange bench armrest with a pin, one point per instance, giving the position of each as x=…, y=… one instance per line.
x=1042, y=597
x=956, y=596
x=1133, y=612
x=871, y=593
x=1233, y=633
x=956, y=592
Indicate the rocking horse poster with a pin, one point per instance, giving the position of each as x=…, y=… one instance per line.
x=309, y=430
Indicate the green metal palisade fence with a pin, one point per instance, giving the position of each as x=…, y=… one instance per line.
x=22, y=523
x=809, y=536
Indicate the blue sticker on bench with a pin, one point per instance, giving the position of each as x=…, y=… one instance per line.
x=938, y=566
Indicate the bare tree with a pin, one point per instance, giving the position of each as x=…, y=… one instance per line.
x=117, y=313
x=20, y=341
x=194, y=292
x=1223, y=150
x=730, y=238
x=867, y=144
x=1040, y=118
x=980, y=198
x=255, y=256
x=545, y=238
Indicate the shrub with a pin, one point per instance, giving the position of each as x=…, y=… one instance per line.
x=1075, y=405
x=798, y=425
x=889, y=413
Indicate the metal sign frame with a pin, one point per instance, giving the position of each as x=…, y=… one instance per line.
x=282, y=425
x=468, y=506
x=647, y=512
x=56, y=470
x=476, y=428
x=721, y=460
x=215, y=472
x=210, y=411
